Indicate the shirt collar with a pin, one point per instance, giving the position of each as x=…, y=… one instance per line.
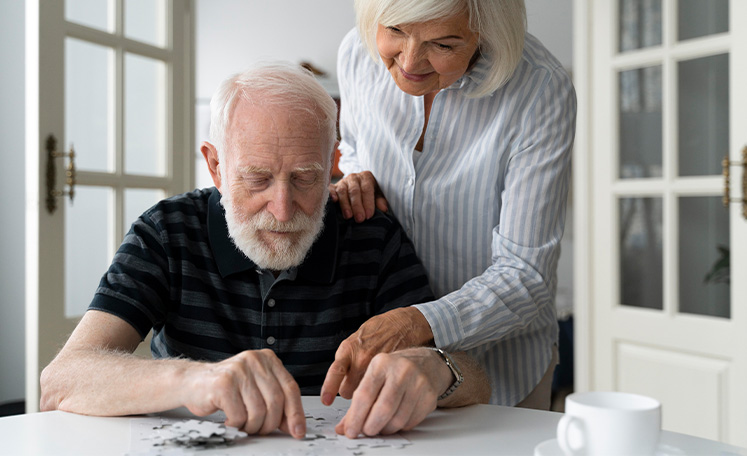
x=474, y=76
x=319, y=265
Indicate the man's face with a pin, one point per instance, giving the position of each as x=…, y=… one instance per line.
x=273, y=184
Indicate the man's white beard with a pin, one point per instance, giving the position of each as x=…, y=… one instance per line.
x=251, y=236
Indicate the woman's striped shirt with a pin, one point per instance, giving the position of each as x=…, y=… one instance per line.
x=484, y=203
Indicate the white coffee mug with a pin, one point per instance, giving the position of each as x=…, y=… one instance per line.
x=610, y=424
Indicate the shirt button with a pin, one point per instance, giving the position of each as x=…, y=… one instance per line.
x=270, y=340
x=270, y=303
x=410, y=181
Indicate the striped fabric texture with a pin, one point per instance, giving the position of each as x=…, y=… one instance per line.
x=484, y=203
x=177, y=272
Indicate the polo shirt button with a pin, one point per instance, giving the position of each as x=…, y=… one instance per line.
x=270, y=303
x=270, y=340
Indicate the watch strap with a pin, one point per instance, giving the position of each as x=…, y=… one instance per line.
x=458, y=377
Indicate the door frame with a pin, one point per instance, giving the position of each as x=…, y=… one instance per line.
x=47, y=327
x=583, y=274
x=586, y=278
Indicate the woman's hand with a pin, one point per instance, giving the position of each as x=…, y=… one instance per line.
x=358, y=195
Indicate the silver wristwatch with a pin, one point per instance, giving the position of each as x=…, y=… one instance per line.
x=458, y=377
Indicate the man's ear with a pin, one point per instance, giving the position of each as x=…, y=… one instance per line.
x=213, y=163
x=332, y=160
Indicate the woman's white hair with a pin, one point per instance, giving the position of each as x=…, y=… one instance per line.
x=282, y=84
x=499, y=24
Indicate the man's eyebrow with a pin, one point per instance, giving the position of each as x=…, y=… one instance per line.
x=309, y=168
x=251, y=169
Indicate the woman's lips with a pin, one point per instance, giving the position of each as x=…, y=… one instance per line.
x=415, y=77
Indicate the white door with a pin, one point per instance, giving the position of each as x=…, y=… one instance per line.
x=663, y=98
x=113, y=80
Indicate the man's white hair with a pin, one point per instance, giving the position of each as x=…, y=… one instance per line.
x=280, y=84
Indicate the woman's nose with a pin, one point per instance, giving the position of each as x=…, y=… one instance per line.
x=410, y=57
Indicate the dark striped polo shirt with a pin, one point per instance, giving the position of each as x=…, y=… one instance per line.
x=178, y=273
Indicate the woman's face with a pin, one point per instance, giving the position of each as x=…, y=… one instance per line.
x=427, y=56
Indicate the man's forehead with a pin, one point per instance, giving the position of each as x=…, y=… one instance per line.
x=274, y=115
x=253, y=157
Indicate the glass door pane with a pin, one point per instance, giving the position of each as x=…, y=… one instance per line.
x=87, y=245
x=697, y=18
x=640, y=123
x=703, y=114
x=704, y=257
x=145, y=20
x=641, y=247
x=91, y=13
x=88, y=104
x=640, y=24
x=145, y=116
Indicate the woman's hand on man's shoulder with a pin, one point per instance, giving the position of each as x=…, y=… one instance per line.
x=358, y=195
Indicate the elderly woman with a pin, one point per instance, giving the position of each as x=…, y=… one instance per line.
x=462, y=124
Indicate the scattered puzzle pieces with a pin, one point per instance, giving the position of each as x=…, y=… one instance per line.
x=164, y=436
x=160, y=436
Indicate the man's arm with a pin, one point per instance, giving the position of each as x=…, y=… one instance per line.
x=95, y=373
x=401, y=388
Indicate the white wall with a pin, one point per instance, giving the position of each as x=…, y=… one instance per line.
x=232, y=34
x=12, y=185
x=552, y=22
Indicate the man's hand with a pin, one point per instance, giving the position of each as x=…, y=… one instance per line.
x=358, y=195
x=397, y=329
x=253, y=388
x=398, y=391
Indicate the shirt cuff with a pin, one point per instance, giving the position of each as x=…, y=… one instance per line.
x=445, y=322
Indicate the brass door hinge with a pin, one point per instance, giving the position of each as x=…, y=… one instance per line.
x=52, y=192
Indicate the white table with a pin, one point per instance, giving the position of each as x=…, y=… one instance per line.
x=476, y=430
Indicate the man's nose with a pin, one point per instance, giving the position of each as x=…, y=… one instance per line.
x=281, y=205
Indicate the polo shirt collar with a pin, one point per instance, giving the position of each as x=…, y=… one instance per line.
x=319, y=265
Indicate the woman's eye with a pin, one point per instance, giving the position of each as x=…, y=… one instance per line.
x=394, y=29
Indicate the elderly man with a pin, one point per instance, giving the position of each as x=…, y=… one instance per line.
x=250, y=287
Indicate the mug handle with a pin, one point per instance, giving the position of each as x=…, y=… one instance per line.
x=565, y=424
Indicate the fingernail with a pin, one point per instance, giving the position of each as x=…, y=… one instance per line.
x=299, y=430
x=347, y=214
x=327, y=399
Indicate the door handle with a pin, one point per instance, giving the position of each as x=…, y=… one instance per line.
x=726, y=164
x=52, y=192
